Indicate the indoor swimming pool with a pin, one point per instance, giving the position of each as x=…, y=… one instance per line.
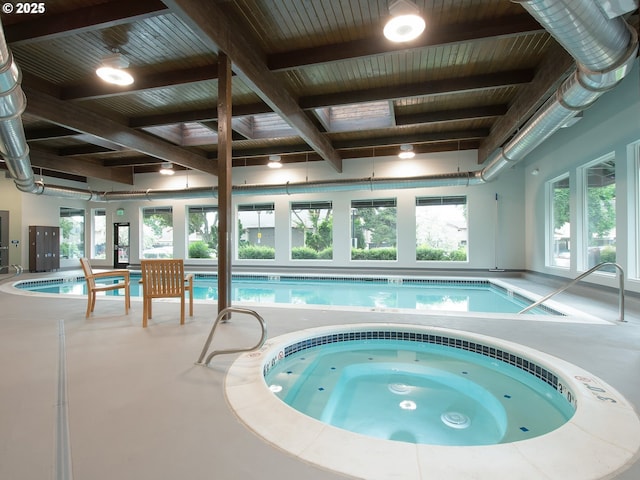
x=414, y=293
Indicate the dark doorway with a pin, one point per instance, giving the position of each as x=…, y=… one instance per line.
x=121, y=245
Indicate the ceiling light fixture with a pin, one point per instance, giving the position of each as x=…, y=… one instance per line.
x=111, y=70
x=405, y=24
x=167, y=169
x=274, y=161
x=406, y=151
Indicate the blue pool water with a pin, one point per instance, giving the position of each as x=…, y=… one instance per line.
x=418, y=393
x=457, y=296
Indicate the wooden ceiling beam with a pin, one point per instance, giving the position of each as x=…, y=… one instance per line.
x=96, y=89
x=516, y=25
x=437, y=35
x=86, y=121
x=555, y=67
x=86, y=168
x=52, y=26
x=49, y=133
x=130, y=161
x=202, y=115
x=435, y=88
x=246, y=158
x=84, y=150
x=423, y=89
x=221, y=31
x=413, y=139
x=451, y=115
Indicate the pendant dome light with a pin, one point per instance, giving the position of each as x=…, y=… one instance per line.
x=167, y=169
x=406, y=151
x=274, y=161
x=111, y=70
x=405, y=24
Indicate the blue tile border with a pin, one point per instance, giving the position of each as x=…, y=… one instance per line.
x=487, y=350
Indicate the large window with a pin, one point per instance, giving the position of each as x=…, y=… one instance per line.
x=312, y=230
x=99, y=239
x=157, y=232
x=441, y=228
x=600, y=212
x=71, y=232
x=203, y=232
x=256, y=231
x=373, y=229
x=560, y=218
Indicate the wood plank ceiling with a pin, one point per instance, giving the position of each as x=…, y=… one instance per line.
x=313, y=81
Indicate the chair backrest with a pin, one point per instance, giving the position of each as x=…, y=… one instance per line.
x=162, y=278
x=88, y=272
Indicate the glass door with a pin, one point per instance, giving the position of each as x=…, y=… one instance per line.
x=121, y=245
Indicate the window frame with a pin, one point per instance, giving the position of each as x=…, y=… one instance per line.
x=305, y=252
x=442, y=254
x=583, y=257
x=81, y=245
x=164, y=253
x=550, y=243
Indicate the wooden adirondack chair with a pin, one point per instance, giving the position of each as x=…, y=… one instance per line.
x=165, y=278
x=93, y=287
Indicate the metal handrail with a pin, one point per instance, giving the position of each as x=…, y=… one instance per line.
x=222, y=317
x=580, y=277
x=17, y=268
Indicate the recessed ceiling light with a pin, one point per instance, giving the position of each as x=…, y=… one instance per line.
x=406, y=24
x=111, y=70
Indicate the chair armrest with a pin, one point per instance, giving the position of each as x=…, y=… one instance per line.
x=113, y=273
x=188, y=278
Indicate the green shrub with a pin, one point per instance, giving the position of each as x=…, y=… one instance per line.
x=424, y=253
x=430, y=254
x=385, y=253
x=326, y=254
x=300, y=253
x=459, y=255
x=256, y=252
x=199, y=250
x=608, y=254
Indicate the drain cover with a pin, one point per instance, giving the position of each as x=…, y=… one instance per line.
x=455, y=420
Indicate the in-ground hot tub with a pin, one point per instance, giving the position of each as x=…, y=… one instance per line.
x=599, y=438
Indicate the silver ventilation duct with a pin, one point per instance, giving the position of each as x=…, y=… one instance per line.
x=13, y=144
x=604, y=49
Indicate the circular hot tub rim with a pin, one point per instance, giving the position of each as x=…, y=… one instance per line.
x=603, y=422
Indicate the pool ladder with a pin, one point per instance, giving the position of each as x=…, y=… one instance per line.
x=222, y=318
x=580, y=277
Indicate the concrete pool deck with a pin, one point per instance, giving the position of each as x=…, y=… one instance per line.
x=138, y=407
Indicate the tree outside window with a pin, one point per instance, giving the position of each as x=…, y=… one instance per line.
x=157, y=232
x=312, y=230
x=441, y=229
x=99, y=248
x=600, y=182
x=203, y=232
x=374, y=229
x=256, y=231
x=71, y=232
x=560, y=220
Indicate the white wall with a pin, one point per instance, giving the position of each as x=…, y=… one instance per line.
x=611, y=125
x=482, y=209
